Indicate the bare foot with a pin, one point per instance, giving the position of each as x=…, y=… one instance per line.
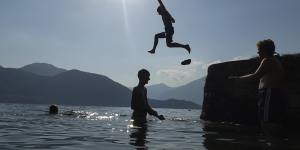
x=188, y=48
x=151, y=51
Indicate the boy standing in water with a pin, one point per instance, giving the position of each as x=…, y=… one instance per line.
x=169, y=30
x=139, y=101
x=271, y=104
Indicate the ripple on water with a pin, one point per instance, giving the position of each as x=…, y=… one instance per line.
x=29, y=127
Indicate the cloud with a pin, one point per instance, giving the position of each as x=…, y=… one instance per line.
x=179, y=73
x=239, y=58
x=184, y=73
x=205, y=66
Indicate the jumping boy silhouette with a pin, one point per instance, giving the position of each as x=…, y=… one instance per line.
x=169, y=30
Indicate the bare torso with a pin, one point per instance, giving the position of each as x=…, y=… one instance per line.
x=167, y=20
x=275, y=75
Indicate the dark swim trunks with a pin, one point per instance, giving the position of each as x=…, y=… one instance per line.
x=169, y=34
x=271, y=105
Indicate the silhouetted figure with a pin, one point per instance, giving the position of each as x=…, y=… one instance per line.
x=169, y=30
x=272, y=100
x=53, y=109
x=139, y=101
x=186, y=62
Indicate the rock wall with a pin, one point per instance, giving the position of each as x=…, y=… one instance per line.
x=226, y=100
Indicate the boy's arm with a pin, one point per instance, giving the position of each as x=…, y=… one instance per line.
x=154, y=113
x=161, y=4
x=149, y=108
x=151, y=111
x=263, y=68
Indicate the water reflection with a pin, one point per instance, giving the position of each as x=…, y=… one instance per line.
x=226, y=136
x=138, y=137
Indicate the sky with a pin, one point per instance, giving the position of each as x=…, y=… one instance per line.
x=112, y=37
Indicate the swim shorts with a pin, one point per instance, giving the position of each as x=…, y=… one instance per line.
x=169, y=34
x=271, y=105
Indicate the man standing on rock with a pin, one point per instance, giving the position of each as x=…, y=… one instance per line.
x=271, y=104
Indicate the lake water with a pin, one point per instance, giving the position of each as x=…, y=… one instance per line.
x=109, y=128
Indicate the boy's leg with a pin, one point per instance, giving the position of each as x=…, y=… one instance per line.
x=174, y=44
x=170, y=43
x=156, y=37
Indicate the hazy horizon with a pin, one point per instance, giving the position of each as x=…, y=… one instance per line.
x=150, y=84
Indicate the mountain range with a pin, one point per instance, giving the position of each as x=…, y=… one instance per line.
x=46, y=84
x=192, y=91
x=43, y=69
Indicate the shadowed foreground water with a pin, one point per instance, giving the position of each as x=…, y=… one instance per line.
x=109, y=128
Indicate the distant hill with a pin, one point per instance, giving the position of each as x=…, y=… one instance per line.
x=173, y=103
x=71, y=87
x=192, y=91
x=43, y=69
x=154, y=91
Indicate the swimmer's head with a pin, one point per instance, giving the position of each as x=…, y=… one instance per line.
x=266, y=47
x=53, y=109
x=144, y=76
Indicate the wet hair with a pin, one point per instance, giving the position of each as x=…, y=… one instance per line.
x=267, y=46
x=53, y=109
x=143, y=73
